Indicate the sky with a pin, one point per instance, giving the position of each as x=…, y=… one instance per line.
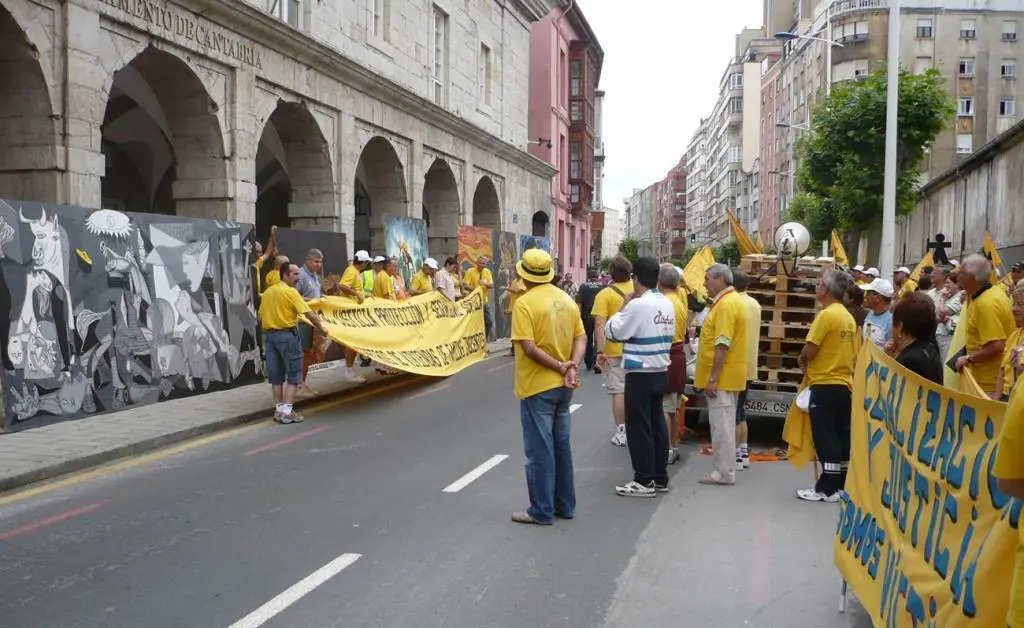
x=663, y=60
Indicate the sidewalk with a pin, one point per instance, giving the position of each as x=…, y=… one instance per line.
x=747, y=556
x=69, y=446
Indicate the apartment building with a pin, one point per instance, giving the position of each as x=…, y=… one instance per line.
x=670, y=214
x=699, y=226
x=640, y=217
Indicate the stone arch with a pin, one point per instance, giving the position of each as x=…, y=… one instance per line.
x=162, y=141
x=442, y=210
x=379, y=191
x=486, y=205
x=28, y=131
x=540, y=224
x=294, y=176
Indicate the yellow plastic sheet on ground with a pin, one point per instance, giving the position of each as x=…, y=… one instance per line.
x=925, y=538
x=426, y=335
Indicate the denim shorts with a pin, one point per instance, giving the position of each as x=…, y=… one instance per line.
x=284, y=356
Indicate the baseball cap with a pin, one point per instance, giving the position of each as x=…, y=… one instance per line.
x=873, y=272
x=1018, y=267
x=954, y=263
x=379, y=259
x=362, y=256
x=536, y=266
x=881, y=286
x=858, y=268
x=430, y=262
x=904, y=270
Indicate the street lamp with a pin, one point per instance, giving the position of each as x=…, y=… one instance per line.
x=799, y=126
x=887, y=253
x=829, y=43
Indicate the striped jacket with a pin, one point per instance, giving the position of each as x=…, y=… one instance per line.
x=645, y=328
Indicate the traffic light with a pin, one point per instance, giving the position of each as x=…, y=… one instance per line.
x=693, y=238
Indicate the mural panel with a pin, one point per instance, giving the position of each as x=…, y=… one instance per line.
x=102, y=310
x=534, y=242
x=474, y=243
x=295, y=243
x=405, y=239
x=506, y=254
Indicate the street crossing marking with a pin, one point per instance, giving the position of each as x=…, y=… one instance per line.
x=574, y=407
x=467, y=479
x=296, y=592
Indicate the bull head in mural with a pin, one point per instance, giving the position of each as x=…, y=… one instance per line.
x=46, y=251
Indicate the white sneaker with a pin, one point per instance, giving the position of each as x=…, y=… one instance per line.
x=811, y=495
x=635, y=489
x=354, y=377
x=739, y=464
x=619, y=438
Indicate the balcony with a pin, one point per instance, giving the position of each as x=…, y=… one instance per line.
x=842, y=7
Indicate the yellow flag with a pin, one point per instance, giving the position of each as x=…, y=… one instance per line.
x=838, y=250
x=927, y=260
x=992, y=253
x=693, y=274
x=951, y=379
x=757, y=239
x=743, y=242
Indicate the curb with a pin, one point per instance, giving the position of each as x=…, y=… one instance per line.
x=95, y=459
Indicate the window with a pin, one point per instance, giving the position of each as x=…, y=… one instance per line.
x=1007, y=107
x=735, y=81
x=575, y=78
x=964, y=143
x=965, y=107
x=1009, y=30
x=576, y=111
x=285, y=10
x=1008, y=69
x=735, y=154
x=379, y=18
x=968, y=29
x=735, y=105
x=850, y=31
x=575, y=160
x=484, y=75
x=924, y=28
x=967, y=67
x=574, y=193
x=439, y=56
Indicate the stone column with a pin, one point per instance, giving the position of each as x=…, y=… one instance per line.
x=87, y=101
x=246, y=134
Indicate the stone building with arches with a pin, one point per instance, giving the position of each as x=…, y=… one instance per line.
x=302, y=113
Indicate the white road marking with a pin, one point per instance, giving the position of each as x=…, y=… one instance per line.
x=296, y=592
x=574, y=407
x=465, y=480
x=500, y=366
x=428, y=391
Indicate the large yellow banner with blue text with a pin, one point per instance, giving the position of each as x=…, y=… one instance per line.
x=925, y=538
x=427, y=334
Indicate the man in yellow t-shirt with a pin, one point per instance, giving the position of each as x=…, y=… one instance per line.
x=989, y=322
x=827, y=360
x=668, y=284
x=423, y=281
x=609, y=354
x=1009, y=470
x=722, y=368
x=479, y=276
x=740, y=280
x=384, y=284
x=904, y=284
x=547, y=326
x=351, y=286
x=280, y=310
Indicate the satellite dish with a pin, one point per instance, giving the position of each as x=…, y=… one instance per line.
x=792, y=240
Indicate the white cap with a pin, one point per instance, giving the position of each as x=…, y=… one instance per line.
x=954, y=263
x=881, y=286
x=858, y=268
x=873, y=272
x=379, y=259
x=362, y=256
x=430, y=262
x=904, y=270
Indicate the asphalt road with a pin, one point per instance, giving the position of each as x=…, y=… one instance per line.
x=345, y=521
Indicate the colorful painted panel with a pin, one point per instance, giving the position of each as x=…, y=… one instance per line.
x=406, y=241
x=506, y=254
x=534, y=242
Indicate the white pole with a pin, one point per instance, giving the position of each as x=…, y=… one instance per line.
x=828, y=51
x=886, y=256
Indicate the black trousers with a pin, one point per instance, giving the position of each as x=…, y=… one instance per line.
x=646, y=432
x=830, y=409
x=590, y=356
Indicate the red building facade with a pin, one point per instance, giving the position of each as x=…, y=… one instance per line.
x=670, y=214
x=774, y=182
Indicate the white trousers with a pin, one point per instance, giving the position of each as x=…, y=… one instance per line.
x=722, y=416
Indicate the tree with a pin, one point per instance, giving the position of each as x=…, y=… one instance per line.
x=605, y=264
x=728, y=253
x=630, y=249
x=842, y=157
x=814, y=212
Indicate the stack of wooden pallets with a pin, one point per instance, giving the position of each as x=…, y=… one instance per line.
x=788, y=305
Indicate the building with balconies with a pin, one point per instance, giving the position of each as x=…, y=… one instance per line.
x=670, y=214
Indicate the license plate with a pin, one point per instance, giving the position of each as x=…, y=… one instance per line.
x=766, y=407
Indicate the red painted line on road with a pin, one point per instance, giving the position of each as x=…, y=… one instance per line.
x=48, y=521
x=761, y=563
x=290, y=439
x=429, y=391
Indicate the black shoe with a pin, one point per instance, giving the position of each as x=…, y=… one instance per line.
x=661, y=488
x=364, y=362
x=597, y=371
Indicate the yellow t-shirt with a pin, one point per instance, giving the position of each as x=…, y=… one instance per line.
x=515, y=290
x=908, y=286
x=281, y=307
x=352, y=278
x=989, y=318
x=833, y=331
x=606, y=304
x=472, y=279
x=679, y=307
x=550, y=318
x=384, y=286
x=421, y=284
x=753, y=335
x=726, y=323
x=1010, y=466
x=1015, y=340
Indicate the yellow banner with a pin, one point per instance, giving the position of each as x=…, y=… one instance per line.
x=927, y=260
x=838, y=250
x=426, y=335
x=743, y=242
x=696, y=268
x=925, y=538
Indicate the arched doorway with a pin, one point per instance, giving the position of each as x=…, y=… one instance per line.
x=539, y=225
x=441, y=210
x=293, y=173
x=486, y=206
x=162, y=141
x=379, y=191
x=28, y=153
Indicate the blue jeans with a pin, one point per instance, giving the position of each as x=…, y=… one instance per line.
x=488, y=321
x=284, y=356
x=546, y=441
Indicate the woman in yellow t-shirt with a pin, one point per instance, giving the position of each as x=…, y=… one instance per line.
x=1009, y=470
x=1013, y=355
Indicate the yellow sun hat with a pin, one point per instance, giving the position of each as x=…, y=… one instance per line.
x=536, y=266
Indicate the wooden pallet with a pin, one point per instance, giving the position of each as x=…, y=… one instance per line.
x=780, y=375
x=779, y=360
x=780, y=346
x=786, y=315
x=787, y=331
x=782, y=298
x=774, y=387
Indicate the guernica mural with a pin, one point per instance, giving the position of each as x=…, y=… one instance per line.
x=101, y=309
